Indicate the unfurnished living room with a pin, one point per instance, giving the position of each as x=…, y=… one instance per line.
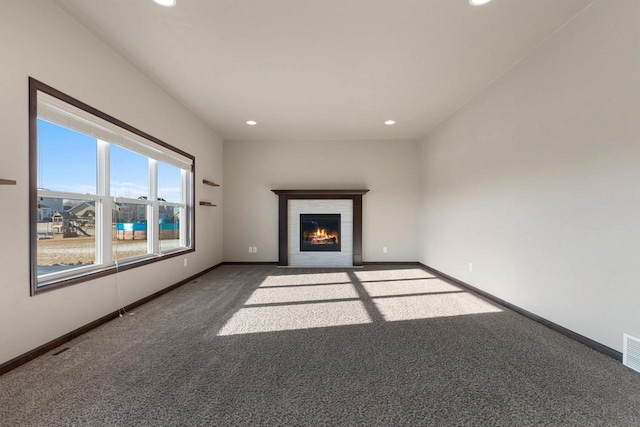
x=297, y=212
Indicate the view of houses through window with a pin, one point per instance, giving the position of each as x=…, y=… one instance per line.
x=100, y=204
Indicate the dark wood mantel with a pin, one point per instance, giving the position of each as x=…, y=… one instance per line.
x=283, y=217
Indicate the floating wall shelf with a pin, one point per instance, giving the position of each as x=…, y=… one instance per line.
x=7, y=181
x=211, y=184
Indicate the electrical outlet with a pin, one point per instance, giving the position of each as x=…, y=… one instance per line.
x=470, y=266
x=250, y=250
x=186, y=261
x=384, y=249
x=255, y=250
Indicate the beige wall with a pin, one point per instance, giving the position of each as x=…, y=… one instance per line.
x=537, y=180
x=40, y=41
x=388, y=169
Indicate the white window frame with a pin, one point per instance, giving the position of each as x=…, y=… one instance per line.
x=61, y=109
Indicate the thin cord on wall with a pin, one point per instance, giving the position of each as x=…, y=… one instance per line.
x=121, y=308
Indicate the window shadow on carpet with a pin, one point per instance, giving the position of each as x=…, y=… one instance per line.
x=316, y=299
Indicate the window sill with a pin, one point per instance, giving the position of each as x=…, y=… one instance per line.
x=50, y=285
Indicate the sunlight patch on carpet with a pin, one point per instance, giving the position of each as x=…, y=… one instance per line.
x=406, y=274
x=304, y=293
x=432, y=306
x=291, y=317
x=305, y=279
x=379, y=289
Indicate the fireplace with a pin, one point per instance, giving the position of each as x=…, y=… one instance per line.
x=320, y=233
x=293, y=203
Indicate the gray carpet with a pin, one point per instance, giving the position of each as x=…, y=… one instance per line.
x=383, y=345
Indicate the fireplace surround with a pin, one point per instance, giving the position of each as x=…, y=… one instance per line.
x=284, y=196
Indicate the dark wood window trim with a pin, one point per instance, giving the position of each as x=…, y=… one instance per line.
x=283, y=217
x=34, y=87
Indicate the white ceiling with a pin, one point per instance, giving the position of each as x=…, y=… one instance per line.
x=322, y=69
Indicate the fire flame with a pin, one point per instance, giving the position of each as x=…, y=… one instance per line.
x=321, y=237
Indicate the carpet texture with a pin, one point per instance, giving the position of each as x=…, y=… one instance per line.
x=261, y=345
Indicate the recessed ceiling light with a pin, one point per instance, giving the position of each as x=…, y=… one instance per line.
x=166, y=3
x=390, y=122
x=478, y=2
x=252, y=122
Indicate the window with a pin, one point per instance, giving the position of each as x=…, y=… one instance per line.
x=104, y=196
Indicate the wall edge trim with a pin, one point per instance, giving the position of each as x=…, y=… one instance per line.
x=390, y=263
x=57, y=342
x=250, y=263
x=594, y=345
x=45, y=348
